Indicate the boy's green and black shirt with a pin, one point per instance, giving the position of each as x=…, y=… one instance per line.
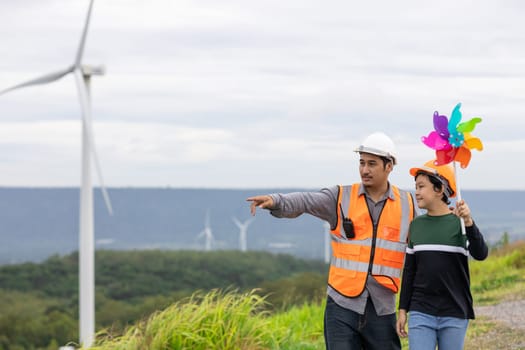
x=436, y=278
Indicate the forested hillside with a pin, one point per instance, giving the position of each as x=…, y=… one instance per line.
x=39, y=302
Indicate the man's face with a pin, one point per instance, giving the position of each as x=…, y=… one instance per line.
x=372, y=170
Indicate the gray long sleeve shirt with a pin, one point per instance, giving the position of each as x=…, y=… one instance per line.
x=323, y=204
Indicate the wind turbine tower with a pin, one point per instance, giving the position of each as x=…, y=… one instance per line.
x=83, y=74
x=207, y=233
x=243, y=228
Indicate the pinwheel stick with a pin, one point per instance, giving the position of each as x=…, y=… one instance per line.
x=458, y=190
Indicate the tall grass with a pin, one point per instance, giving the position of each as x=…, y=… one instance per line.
x=216, y=320
x=223, y=321
x=501, y=276
x=299, y=328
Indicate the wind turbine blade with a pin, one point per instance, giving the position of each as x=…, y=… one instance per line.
x=101, y=179
x=207, y=219
x=86, y=119
x=236, y=221
x=80, y=50
x=48, y=78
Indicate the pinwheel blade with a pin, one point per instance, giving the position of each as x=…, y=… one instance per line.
x=441, y=125
x=45, y=79
x=445, y=156
x=80, y=51
x=468, y=126
x=86, y=118
x=455, y=118
x=472, y=142
x=434, y=141
x=463, y=156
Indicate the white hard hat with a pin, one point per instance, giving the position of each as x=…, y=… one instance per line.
x=380, y=145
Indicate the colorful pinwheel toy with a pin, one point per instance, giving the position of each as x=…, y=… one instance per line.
x=452, y=142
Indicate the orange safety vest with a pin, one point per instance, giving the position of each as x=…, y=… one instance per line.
x=378, y=251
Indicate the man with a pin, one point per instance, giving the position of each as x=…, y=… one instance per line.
x=369, y=226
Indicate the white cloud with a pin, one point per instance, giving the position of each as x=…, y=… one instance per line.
x=262, y=94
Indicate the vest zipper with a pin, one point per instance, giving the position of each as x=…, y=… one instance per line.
x=374, y=236
x=373, y=250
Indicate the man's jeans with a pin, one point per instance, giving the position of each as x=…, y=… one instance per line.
x=347, y=330
x=425, y=331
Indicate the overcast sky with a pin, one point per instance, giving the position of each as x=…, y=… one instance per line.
x=243, y=94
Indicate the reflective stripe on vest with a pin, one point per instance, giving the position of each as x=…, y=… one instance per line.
x=350, y=264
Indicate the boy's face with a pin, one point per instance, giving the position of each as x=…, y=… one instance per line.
x=426, y=195
x=372, y=170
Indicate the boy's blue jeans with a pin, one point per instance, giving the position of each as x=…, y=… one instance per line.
x=347, y=330
x=426, y=331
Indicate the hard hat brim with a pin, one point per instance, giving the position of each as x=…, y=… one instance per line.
x=424, y=169
x=374, y=151
x=434, y=173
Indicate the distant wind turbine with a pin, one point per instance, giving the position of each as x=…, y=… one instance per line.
x=82, y=74
x=243, y=228
x=206, y=232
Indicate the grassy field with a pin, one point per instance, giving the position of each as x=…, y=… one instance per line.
x=231, y=320
x=498, y=279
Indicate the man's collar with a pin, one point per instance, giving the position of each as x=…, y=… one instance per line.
x=389, y=192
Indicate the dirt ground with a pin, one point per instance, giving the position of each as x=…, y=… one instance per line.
x=506, y=330
x=510, y=312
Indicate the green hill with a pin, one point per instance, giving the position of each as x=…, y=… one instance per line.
x=218, y=300
x=39, y=303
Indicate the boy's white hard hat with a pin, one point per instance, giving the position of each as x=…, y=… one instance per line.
x=379, y=144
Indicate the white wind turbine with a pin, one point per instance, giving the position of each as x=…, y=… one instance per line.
x=243, y=230
x=83, y=75
x=206, y=232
